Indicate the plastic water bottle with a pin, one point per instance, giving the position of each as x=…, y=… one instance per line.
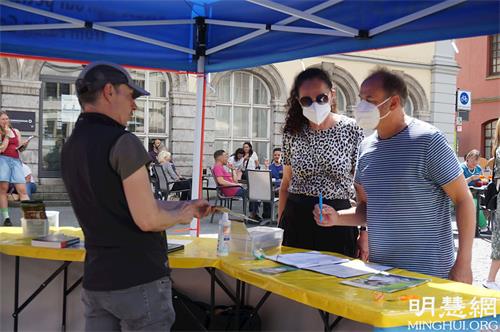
x=224, y=235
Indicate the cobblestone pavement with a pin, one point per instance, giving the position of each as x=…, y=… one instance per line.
x=481, y=249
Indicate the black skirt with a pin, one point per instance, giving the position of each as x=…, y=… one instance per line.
x=301, y=231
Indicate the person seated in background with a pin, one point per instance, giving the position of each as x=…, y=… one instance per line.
x=156, y=148
x=471, y=167
x=276, y=167
x=178, y=182
x=229, y=181
x=251, y=159
x=236, y=162
x=30, y=184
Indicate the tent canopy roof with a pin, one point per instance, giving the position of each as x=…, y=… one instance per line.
x=170, y=34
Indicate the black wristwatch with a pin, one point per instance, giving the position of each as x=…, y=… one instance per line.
x=362, y=228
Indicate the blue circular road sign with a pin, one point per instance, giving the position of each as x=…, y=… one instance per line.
x=464, y=98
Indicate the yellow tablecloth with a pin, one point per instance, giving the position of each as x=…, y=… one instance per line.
x=312, y=289
x=198, y=254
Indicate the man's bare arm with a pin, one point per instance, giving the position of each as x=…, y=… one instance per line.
x=151, y=215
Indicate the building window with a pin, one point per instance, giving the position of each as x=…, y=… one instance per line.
x=243, y=113
x=409, y=108
x=495, y=55
x=341, y=101
x=489, y=138
x=150, y=120
x=60, y=109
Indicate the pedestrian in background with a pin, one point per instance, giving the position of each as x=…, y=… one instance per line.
x=495, y=236
x=11, y=169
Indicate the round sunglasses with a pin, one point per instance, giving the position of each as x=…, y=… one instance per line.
x=308, y=101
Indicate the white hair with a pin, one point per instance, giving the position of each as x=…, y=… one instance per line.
x=162, y=155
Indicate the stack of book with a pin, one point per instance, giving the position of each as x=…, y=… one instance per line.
x=57, y=240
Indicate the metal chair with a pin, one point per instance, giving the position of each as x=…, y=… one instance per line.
x=261, y=189
x=163, y=188
x=209, y=183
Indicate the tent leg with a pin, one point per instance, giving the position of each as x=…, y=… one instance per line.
x=199, y=134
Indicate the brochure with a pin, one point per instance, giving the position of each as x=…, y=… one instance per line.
x=387, y=283
x=275, y=270
x=350, y=269
x=306, y=260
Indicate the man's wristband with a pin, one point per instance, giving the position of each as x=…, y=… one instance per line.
x=362, y=228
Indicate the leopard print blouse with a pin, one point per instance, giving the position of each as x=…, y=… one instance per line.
x=323, y=160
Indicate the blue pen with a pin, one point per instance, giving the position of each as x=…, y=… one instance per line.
x=320, y=208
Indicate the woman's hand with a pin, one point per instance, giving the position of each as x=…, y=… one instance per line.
x=266, y=163
x=330, y=216
x=9, y=132
x=362, y=246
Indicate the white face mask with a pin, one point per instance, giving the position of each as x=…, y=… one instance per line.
x=367, y=115
x=317, y=113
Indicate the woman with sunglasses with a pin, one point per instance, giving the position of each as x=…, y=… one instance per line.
x=320, y=151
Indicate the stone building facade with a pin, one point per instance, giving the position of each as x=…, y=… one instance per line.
x=242, y=105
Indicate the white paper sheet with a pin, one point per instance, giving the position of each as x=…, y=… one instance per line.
x=305, y=260
x=349, y=269
x=179, y=241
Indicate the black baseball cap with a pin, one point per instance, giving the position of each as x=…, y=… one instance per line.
x=97, y=74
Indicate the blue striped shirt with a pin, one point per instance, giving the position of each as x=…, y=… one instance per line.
x=408, y=213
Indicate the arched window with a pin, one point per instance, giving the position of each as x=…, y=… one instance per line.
x=60, y=109
x=243, y=113
x=345, y=85
x=409, y=108
x=488, y=138
x=416, y=104
x=150, y=120
x=341, y=101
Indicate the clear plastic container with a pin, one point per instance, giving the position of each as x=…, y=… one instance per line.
x=35, y=227
x=53, y=218
x=259, y=237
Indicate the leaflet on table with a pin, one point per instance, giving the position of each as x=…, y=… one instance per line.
x=305, y=260
x=349, y=269
x=179, y=241
x=387, y=283
x=275, y=269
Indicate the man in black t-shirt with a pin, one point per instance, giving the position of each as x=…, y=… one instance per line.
x=126, y=282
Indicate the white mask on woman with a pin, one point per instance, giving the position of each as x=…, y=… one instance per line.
x=367, y=115
x=317, y=113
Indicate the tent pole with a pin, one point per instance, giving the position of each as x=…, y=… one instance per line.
x=199, y=135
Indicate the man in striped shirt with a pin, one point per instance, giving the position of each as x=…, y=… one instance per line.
x=405, y=177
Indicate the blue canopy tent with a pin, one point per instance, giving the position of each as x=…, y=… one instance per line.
x=216, y=35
